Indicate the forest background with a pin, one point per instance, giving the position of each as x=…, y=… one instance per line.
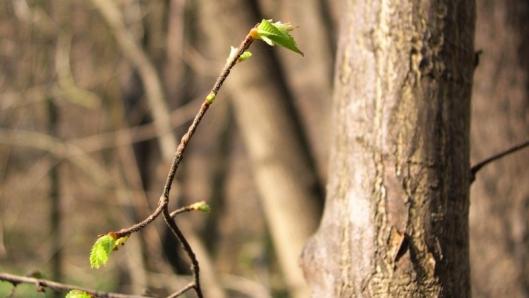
x=88, y=87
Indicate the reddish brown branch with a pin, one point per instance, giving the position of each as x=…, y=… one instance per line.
x=195, y=268
x=162, y=203
x=59, y=287
x=178, y=156
x=474, y=169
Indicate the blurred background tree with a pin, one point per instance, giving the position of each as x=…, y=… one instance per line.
x=499, y=208
x=94, y=95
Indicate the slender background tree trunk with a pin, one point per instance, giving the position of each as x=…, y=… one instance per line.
x=281, y=161
x=500, y=110
x=396, y=216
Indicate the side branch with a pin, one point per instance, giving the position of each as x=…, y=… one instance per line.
x=195, y=268
x=474, y=169
x=177, y=158
x=179, y=154
x=182, y=291
x=59, y=287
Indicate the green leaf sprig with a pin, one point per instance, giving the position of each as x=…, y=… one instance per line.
x=276, y=33
x=245, y=55
x=103, y=247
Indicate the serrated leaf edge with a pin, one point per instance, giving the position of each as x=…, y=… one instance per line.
x=98, y=260
x=277, y=33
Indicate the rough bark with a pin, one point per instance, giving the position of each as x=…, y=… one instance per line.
x=499, y=229
x=281, y=164
x=396, y=217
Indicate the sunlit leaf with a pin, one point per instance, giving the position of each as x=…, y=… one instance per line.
x=244, y=56
x=277, y=33
x=101, y=251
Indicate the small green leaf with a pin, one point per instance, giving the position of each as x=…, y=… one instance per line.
x=120, y=241
x=78, y=294
x=277, y=33
x=101, y=251
x=200, y=206
x=245, y=56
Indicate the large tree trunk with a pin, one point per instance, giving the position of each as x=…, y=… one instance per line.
x=396, y=217
x=500, y=196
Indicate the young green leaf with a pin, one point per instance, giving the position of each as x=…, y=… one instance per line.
x=200, y=206
x=120, y=241
x=245, y=56
x=277, y=33
x=78, y=294
x=101, y=251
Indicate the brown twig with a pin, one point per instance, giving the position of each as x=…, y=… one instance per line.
x=182, y=291
x=195, y=267
x=60, y=287
x=184, y=141
x=178, y=211
x=474, y=169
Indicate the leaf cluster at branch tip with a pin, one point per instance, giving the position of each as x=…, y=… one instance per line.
x=277, y=33
x=103, y=247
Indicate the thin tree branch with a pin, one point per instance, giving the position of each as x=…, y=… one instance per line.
x=184, y=141
x=182, y=291
x=474, y=169
x=195, y=267
x=60, y=287
x=49, y=144
x=135, y=134
x=82, y=146
x=58, y=148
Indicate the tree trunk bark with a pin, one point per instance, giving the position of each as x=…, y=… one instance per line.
x=396, y=217
x=499, y=237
